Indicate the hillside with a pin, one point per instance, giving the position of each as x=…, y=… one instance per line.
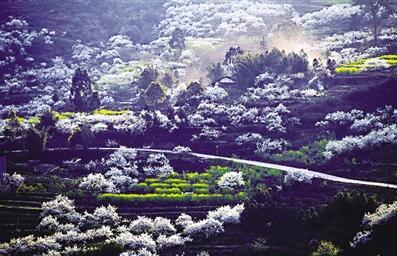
x=198, y=128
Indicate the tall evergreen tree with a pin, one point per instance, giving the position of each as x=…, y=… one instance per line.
x=81, y=94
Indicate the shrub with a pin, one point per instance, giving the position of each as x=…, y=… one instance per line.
x=200, y=185
x=274, y=173
x=181, y=150
x=142, y=225
x=206, y=228
x=201, y=191
x=241, y=196
x=60, y=207
x=381, y=215
x=96, y=183
x=326, y=249
x=228, y=197
x=34, y=188
x=205, y=176
x=231, y=181
x=297, y=177
x=167, y=191
x=185, y=187
x=183, y=220
x=106, y=215
x=192, y=176
x=173, y=181
x=123, y=159
x=158, y=165
x=11, y=182
x=310, y=154
x=152, y=180
x=163, y=226
x=227, y=214
x=49, y=223
x=165, y=242
x=131, y=241
x=159, y=185
x=217, y=171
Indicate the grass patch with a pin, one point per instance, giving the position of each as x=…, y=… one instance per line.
x=310, y=154
x=63, y=115
x=108, y=112
x=274, y=173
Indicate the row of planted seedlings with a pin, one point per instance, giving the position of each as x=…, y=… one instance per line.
x=185, y=187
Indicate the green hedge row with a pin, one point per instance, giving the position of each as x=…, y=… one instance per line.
x=167, y=191
x=171, y=197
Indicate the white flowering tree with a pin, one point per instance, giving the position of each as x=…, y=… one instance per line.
x=97, y=183
x=215, y=94
x=205, y=228
x=292, y=178
x=157, y=165
x=231, y=181
x=377, y=228
x=11, y=182
x=227, y=214
x=67, y=231
x=267, y=146
x=337, y=15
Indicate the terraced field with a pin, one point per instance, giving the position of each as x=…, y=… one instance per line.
x=20, y=214
x=369, y=64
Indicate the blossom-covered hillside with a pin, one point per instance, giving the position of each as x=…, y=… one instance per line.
x=198, y=127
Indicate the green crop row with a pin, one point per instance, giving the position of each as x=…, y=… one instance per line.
x=172, y=197
x=108, y=112
x=167, y=191
x=143, y=187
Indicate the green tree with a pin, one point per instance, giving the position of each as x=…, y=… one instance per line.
x=36, y=141
x=156, y=93
x=378, y=11
x=82, y=136
x=232, y=54
x=215, y=72
x=81, y=94
x=178, y=39
x=47, y=121
x=247, y=68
